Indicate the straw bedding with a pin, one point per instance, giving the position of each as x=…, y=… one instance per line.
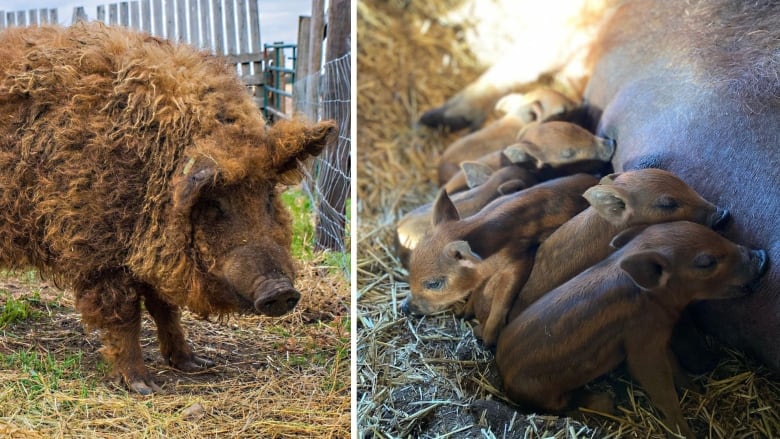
x=429, y=377
x=285, y=377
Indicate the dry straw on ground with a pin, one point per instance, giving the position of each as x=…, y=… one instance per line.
x=421, y=377
x=284, y=377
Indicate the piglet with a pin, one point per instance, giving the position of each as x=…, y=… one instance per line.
x=623, y=308
x=549, y=150
x=485, y=186
x=618, y=202
x=534, y=106
x=491, y=250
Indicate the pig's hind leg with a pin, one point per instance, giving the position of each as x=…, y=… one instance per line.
x=173, y=344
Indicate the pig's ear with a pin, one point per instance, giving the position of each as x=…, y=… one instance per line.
x=512, y=186
x=461, y=252
x=516, y=153
x=610, y=202
x=444, y=209
x=292, y=142
x=188, y=185
x=476, y=173
x=625, y=236
x=648, y=269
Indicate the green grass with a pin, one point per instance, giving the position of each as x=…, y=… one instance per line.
x=299, y=205
x=18, y=310
x=303, y=226
x=43, y=372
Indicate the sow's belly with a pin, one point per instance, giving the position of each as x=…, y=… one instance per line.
x=730, y=154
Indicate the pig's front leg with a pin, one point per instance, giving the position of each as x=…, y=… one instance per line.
x=173, y=344
x=113, y=305
x=502, y=287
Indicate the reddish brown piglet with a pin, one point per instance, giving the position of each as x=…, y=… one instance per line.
x=618, y=202
x=557, y=148
x=535, y=106
x=622, y=309
x=549, y=150
x=460, y=256
x=508, y=179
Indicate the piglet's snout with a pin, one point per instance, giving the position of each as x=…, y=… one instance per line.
x=719, y=218
x=275, y=297
x=759, y=262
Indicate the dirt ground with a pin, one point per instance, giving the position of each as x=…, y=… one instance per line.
x=274, y=377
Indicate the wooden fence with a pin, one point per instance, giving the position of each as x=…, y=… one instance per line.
x=31, y=17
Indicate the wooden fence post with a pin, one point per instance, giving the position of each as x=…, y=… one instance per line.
x=302, y=65
x=315, y=55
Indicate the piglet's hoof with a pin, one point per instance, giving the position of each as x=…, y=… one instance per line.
x=497, y=415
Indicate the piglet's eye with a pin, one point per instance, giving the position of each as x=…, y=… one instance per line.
x=567, y=153
x=666, y=203
x=435, y=284
x=705, y=261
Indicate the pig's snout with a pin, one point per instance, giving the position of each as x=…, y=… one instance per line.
x=276, y=297
x=719, y=218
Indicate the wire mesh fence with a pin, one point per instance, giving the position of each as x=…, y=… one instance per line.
x=328, y=180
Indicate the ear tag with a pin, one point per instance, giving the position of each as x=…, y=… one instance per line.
x=188, y=166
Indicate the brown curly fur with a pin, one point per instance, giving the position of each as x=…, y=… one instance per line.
x=100, y=129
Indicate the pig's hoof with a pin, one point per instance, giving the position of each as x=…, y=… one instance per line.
x=143, y=386
x=191, y=363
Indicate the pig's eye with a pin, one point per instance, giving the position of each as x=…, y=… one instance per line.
x=705, y=261
x=567, y=153
x=435, y=284
x=214, y=209
x=666, y=203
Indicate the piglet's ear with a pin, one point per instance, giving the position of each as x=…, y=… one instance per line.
x=610, y=203
x=648, y=269
x=461, y=252
x=625, y=236
x=517, y=154
x=512, y=186
x=189, y=183
x=476, y=173
x=292, y=142
x=609, y=179
x=443, y=209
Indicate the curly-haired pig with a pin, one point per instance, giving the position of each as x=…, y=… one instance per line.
x=459, y=256
x=618, y=202
x=486, y=185
x=139, y=174
x=534, y=106
x=622, y=309
x=549, y=150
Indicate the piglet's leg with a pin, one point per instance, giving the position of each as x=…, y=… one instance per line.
x=173, y=345
x=649, y=363
x=502, y=286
